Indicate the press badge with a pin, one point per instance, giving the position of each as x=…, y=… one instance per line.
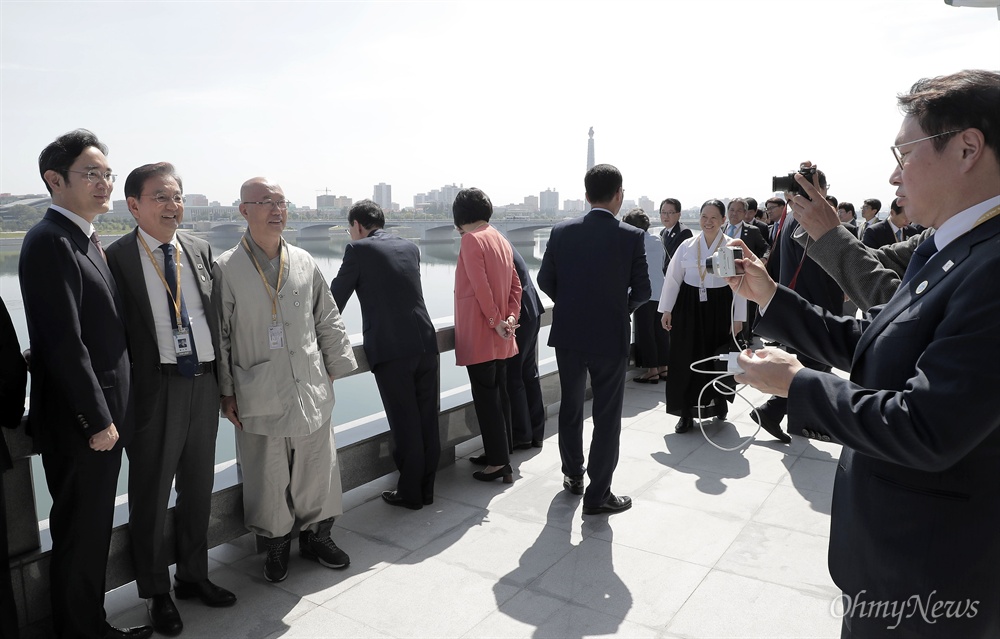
x=702, y=294
x=276, y=336
x=182, y=341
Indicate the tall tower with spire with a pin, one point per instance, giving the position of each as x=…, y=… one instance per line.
x=590, y=150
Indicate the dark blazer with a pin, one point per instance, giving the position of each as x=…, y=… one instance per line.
x=752, y=237
x=917, y=491
x=812, y=283
x=385, y=271
x=80, y=381
x=765, y=232
x=671, y=240
x=13, y=382
x=594, y=270
x=531, y=304
x=880, y=233
x=125, y=261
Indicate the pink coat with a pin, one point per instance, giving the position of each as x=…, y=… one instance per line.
x=487, y=290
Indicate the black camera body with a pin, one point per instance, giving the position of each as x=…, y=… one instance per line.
x=787, y=183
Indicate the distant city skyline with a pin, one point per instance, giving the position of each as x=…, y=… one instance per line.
x=689, y=100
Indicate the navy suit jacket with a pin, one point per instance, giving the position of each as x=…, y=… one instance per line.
x=594, y=270
x=917, y=491
x=385, y=271
x=125, y=261
x=531, y=304
x=880, y=234
x=672, y=239
x=80, y=371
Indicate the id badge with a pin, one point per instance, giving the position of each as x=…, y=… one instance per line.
x=182, y=341
x=276, y=336
x=702, y=294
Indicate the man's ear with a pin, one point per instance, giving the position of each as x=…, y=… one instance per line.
x=971, y=144
x=53, y=179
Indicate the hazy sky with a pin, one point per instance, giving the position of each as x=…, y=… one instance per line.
x=693, y=99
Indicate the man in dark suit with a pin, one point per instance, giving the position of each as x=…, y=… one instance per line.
x=777, y=213
x=400, y=345
x=739, y=229
x=527, y=409
x=896, y=228
x=869, y=215
x=81, y=414
x=673, y=232
x=175, y=390
x=13, y=382
x=594, y=270
x=751, y=217
x=803, y=275
x=913, y=543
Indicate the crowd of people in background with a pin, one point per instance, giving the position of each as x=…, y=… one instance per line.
x=137, y=347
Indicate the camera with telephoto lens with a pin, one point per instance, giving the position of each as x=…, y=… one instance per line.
x=787, y=183
x=723, y=262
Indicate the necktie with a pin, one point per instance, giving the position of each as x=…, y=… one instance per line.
x=96, y=241
x=899, y=235
x=732, y=230
x=186, y=364
x=920, y=256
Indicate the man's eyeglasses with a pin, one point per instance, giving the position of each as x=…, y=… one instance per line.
x=899, y=156
x=772, y=208
x=271, y=204
x=93, y=176
x=162, y=199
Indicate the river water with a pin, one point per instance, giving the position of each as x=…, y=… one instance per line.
x=357, y=396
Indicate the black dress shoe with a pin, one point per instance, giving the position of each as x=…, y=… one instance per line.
x=684, y=425
x=392, y=498
x=479, y=460
x=573, y=483
x=139, y=632
x=522, y=445
x=163, y=615
x=209, y=594
x=771, y=426
x=611, y=506
x=506, y=472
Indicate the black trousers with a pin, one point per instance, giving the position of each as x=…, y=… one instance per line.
x=8, y=609
x=607, y=378
x=410, y=393
x=489, y=396
x=776, y=407
x=527, y=410
x=83, y=487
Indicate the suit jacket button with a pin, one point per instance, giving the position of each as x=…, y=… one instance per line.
x=806, y=432
x=825, y=438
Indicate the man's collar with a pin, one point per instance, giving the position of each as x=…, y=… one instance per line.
x=154, y=243
x=961, y=223
x=85, y=226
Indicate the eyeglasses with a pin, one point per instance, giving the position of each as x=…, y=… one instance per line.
x=670, y=213
x=899, y=156
x=773, y=207
x=93, y=176
x=271, y=204
x=162, y=199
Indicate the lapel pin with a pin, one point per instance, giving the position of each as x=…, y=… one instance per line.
x=947, y=266
x=921, y=287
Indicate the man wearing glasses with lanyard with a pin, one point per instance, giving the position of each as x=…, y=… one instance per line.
x=281, y=345
x=165, y=278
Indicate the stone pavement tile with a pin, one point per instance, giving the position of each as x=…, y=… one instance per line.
x=233, y=551
x=758, y=462
x=779, y=555
x=455, y=483
x=327, y=624
x=544, y=501
x=737, y=607
x=502, y=547
x=631, y=584
x=260, y=610
x=812, y=474
x=709, y=491
x=428, y=599
x=318, y=584
x=412, y=529
x=803, y=510
x=537, y=616
x=673, y=531
x=123, y=599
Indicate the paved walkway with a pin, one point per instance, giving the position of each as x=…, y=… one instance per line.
x=717, y=544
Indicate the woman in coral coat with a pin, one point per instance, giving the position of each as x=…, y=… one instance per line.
x=487, y=304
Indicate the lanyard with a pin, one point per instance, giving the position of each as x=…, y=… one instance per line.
x=175, y=296
x=267, y=287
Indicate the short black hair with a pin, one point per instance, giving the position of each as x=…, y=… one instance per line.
x=637, y=217
x=751, y=203
x=471, y=205
x=847, y=206
x=832, y=200
x=601, y=183
x=368, y=214
x=875, y=204
x=894, y=206
x=136, y=180
x=717, y=204
x=60, y=154
x=674, y=202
